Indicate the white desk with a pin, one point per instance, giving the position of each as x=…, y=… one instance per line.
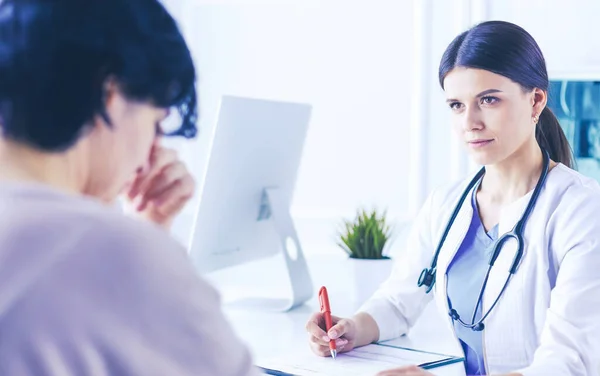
x=270, y=334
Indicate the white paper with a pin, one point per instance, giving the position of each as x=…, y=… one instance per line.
x=363, y=361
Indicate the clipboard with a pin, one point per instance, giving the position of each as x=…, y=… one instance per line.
x=447, y=359
x=368, y=359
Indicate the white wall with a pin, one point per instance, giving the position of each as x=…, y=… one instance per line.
x=567, y=31
x=351, y=61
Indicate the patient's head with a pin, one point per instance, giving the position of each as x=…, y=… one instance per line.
x=496, y=83
x=93, y=80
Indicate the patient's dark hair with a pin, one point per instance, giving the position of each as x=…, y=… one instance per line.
x=510, y=51
x=57, y=55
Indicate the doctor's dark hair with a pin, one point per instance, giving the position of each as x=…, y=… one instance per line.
x=56, y=57
x=508, y=50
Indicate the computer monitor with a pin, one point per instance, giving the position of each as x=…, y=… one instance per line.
x=244, y=210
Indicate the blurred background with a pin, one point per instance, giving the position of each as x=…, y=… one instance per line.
x=379, y=134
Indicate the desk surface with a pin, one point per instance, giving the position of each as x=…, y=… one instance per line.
x=271, y=334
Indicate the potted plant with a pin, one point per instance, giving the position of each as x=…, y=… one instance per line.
x=365, y=239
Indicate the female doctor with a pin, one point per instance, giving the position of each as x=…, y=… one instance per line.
x=511, y=255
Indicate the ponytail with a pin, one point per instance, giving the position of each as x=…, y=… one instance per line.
x=551, y=137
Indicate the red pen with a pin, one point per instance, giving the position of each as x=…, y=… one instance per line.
x=326, y=311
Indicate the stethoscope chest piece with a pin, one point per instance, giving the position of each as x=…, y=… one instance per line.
x=427, y=279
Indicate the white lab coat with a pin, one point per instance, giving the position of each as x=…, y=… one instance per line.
x=541, y=325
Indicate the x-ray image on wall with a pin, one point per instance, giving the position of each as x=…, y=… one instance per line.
x=577, y=106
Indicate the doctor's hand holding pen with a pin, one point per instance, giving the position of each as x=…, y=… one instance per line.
x=348, y=333
x=342, y=332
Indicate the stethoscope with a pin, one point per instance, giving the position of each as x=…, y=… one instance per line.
x=427, y=277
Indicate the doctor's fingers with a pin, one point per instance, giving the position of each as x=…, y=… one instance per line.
x=324, y=341
x=324, y=350
x=316, y=324
x=342, y=327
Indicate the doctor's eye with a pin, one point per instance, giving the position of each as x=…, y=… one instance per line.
x=489, y=100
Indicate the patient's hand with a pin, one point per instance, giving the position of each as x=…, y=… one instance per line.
x=405, y=371
x=343, y=331
x=159, y=193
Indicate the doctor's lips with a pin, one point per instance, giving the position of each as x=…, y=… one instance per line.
x=479, y=143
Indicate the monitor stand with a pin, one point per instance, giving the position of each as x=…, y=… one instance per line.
x=275, y=209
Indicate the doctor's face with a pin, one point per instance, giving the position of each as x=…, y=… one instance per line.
x=491, y=114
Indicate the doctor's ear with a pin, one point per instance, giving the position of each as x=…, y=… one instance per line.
x=539, y=100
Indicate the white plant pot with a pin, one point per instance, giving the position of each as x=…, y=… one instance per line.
x=368, y=275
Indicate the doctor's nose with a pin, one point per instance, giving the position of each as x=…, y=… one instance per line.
x=471, y=120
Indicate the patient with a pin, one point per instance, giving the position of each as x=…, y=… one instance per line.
x=84, y=290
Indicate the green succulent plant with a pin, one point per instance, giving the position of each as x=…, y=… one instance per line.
x=365, y=237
